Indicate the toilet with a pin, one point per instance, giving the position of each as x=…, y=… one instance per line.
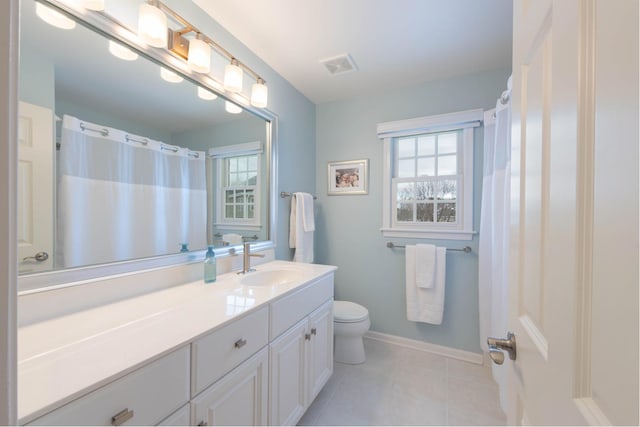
x=350, y=323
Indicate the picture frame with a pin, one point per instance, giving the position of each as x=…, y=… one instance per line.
x=346, y=178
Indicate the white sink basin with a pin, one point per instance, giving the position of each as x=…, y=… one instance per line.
x=270, y=278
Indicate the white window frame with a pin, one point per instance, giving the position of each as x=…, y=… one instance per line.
x=464, y=121
x=219, y=154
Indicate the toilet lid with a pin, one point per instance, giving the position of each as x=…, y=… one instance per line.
x=347, y=311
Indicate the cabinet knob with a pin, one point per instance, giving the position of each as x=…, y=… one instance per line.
x=121, y=417
x=240, y=343
x=313, y=331
x=307, y=337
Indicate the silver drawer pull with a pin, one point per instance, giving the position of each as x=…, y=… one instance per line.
x=121, y=417
x=240, y=343
x=307, y=337
x=313, y=331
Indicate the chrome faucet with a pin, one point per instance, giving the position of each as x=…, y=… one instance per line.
x=246, y=259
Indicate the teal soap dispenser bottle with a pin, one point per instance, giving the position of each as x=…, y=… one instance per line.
x=210, y=266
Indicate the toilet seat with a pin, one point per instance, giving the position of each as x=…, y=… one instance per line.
x=349, y=312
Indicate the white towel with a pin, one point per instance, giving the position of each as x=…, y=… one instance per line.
x=232, y=238
x=299, y=238
x=425, y=266
x=425, y=305
x=308, y=221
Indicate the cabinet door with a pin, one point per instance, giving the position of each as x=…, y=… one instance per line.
x=287, y=375
x=238, y=398
x=320, y=349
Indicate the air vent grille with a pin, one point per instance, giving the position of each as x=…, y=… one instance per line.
x=339, y=64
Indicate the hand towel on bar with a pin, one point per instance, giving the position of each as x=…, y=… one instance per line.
x=232, y=238
x=425, y=266
x=301, y=237
x=425, y=305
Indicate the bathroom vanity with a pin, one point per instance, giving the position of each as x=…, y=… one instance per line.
x=250, y=349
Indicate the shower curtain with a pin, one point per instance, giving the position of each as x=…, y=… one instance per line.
x=493, y=251
x=122, y=196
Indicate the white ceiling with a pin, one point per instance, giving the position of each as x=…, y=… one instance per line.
x=394, y=43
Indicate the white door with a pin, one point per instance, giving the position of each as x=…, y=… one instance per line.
x=238, y=399
x=574, y=250
x=35, y=188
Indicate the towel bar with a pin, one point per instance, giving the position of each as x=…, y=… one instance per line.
x=466, y=249
x=284, y=194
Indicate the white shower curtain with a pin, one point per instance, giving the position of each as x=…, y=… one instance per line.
x=493, y=251
x=121, y=199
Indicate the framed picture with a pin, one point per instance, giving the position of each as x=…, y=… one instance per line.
x=348, y=177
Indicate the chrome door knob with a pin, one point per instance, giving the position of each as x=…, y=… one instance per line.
x=496, y=345
x=40, y=257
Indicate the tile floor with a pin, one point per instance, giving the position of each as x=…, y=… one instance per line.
x=402, y=386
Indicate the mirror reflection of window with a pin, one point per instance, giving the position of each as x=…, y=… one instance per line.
x=242, y=183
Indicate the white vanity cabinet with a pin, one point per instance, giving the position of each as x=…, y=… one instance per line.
x=301, y=358
x=238, y=398
x=263, y=366
x=144, y=397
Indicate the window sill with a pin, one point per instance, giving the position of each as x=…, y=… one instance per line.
x=244, y=227
x=427, y=234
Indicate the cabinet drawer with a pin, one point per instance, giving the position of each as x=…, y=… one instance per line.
x=221, y=351
x=150, y=393
x=286, y=311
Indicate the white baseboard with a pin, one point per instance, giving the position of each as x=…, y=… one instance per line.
x=453, y=353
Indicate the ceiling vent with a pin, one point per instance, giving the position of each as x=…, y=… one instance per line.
x=339, y=64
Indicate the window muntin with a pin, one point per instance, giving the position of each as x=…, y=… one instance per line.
x=240, y=186
x=427, y=174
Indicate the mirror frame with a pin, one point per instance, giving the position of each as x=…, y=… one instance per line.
x=111, y=28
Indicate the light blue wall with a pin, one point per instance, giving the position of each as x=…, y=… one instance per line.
x=36, y=79
x=229, y=133
x=348, y=227
x=296, y=124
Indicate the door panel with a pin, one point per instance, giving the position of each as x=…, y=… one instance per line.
x=573, y=295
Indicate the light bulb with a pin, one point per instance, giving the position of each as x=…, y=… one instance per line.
x=199, y=55
x=53, y=17
x=205, y=94
x=232, y=108
x=233, y=77
x=259, y=93
x=170, y=76
x=152, y=25
x=122, y=52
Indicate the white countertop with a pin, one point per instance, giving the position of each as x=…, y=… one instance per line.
x=66, y=357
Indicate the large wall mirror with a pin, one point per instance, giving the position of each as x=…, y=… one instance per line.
x=124, y=159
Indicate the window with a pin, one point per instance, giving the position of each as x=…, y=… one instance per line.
x=240, y=176
x=428, y=176
x=237, y=186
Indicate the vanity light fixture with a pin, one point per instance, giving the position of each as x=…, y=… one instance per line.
x=196, y=50
x=205, y=94
x=232, y=108
x=170, y=76
x=233, y=76
x=122, y=52
x=152, y=24
x=259, y=93
x=199, y=57
x=53, y=17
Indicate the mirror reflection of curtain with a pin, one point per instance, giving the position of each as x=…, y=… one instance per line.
x=123, y=196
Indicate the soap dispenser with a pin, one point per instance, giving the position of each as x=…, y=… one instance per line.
x=210, y=266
